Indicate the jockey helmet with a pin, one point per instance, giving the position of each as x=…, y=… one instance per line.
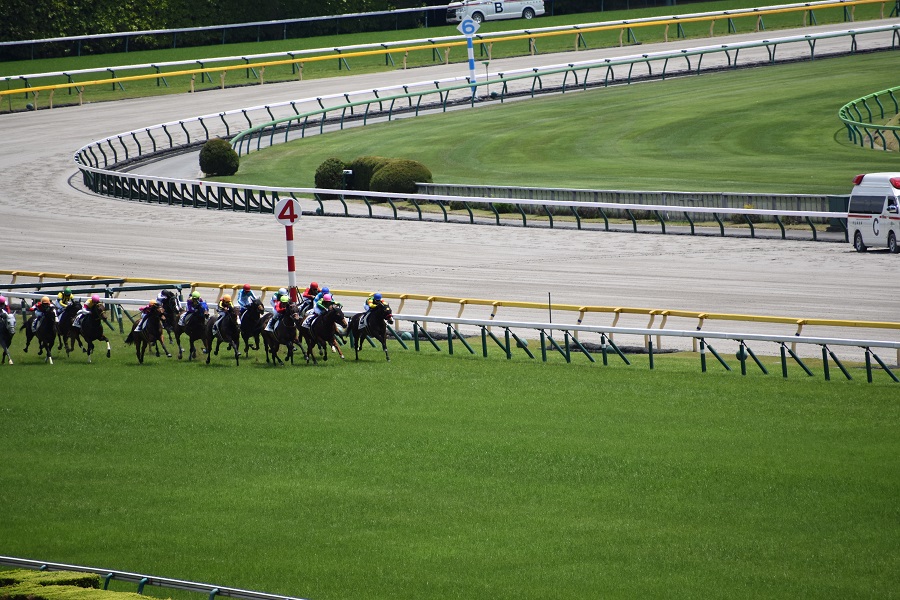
x=326, y=291
x=95, y=298
x=226, y=298
x=246, y=287
x=2, y=299
x=377, y=296
x=45, y=300
x=282, y=291
x=151, y=303
x=67, y=291
x=313, y=286
x=195, y=294
x=285, y=298
x=327, y=298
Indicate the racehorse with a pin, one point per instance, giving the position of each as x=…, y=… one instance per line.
x=376, y=320
x=150, y=333
x=195, y=328
x=252, y=324
x=64, y=326
x=171, y=311
x=284, y=334
x=46, y=335
x=7, y=331
x=321, y=331
x=228, y=331
x=91, y=329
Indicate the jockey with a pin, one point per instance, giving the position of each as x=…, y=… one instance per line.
x=321, y=295
x=164, y=296
x=245, y=298
x=4, y=307
x=40, y=310
x=194, y=305
x=63, y=299
x=276, y=298
x=373, y=301
x=85, y=309
x=145, y=312
x=311, y=292
x=281, y=309
x=223, y=308
x=324, y=304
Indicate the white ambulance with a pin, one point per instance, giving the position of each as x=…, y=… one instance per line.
x=490, y=10
x=873, y=216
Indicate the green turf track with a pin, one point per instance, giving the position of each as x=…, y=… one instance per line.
x=770, y=129
x=377, y=63
x=456, y=477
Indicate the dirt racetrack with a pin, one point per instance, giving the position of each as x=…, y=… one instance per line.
x=47, y=224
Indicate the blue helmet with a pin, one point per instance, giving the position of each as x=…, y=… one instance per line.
x=377, y=296
x=326, y=291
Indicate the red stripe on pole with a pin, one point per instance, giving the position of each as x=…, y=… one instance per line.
x=289, y=233
x=291, y=263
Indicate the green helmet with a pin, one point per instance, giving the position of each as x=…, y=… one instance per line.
x=67, y=291
x=195, y=294
x=285, y=298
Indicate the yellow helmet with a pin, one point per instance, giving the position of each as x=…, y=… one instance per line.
x=226, y=298
x=151, y=303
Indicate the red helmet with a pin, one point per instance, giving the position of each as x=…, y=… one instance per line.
x=246, y=287
x=313, y=286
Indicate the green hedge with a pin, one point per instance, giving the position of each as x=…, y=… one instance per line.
x=217, y=157
x=20, y=576
x=364, y=167
x=400, y=176
x=24, y=584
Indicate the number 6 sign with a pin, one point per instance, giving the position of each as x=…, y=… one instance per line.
x=286, y=212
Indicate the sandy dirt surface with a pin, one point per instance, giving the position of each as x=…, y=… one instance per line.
x=47, y=224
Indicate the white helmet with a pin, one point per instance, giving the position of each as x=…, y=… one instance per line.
x=282, y=292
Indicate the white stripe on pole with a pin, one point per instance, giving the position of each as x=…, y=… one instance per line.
x=468, y=27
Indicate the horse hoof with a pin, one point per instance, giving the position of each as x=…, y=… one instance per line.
x=107, y=354
x=168, y=355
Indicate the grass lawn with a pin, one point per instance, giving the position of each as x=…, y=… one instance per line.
x=329, y=68
x=714, y=132
x=435, y=476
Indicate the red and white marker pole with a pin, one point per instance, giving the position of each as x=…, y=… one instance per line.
x=287, y=211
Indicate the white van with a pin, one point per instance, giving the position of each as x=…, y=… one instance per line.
x=872, y=216
x=490, y=10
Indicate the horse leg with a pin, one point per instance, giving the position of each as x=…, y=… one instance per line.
x=218, y=343
x=180, y=349
x=166, y=350
x=90, y=350
x=337, y=347
x=108, y=348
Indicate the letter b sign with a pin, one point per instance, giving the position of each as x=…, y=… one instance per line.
x=498, y=7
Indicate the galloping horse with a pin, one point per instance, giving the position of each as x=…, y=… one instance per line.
x=376, y=320
x=64, y=326
x=322, y=331
x=228, y=331
x=91, y=329
x=171, y=311
x=7, y=331
x=284, y=334
x=252, y=324
x=195, y=328
x=150, y=333
x=46, y=335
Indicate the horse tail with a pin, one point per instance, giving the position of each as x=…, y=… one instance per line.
x=130, y=339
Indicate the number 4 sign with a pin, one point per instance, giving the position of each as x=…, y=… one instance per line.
x=287, y=211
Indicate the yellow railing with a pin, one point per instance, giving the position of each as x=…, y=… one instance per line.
x=622, y=27
x=651, y=313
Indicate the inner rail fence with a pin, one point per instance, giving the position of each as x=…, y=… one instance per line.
x=859, y=117
x=439, y=48
x=103, y=163
x=570, y=343
x=654, y=320
x=143, y=580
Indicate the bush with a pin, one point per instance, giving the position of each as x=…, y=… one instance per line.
x=217, y=157
x=330, y=174
x=400, y=176
x=364, y=167
x=742, y=219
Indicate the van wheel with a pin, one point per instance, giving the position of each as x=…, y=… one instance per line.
x=858, y=243
x=528, y=13
x=892, y=243
x=478, y=17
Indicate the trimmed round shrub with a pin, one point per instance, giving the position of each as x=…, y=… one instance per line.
x=217, y=157
x=330, y=174
x=363, y=168
x=400, y=176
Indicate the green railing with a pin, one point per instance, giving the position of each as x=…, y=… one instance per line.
x=859, y=117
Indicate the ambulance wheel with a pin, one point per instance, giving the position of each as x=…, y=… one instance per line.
x=892, y=243
x=858, y=243
x=528, y=13
x=478, y=17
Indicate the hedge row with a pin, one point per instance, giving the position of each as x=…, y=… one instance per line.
x=24, y=584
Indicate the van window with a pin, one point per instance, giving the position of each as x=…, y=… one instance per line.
x=866, y=205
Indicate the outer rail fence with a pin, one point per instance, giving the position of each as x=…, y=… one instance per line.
x=608, y=347
x=656, y=319
x=438, y=47
x=859, y=115
x=143, y=580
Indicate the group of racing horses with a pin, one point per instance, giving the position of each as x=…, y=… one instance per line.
x=163, y=320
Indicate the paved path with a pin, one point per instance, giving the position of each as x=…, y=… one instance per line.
x=46, y=224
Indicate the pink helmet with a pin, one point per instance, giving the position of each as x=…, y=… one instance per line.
x=327, y=298
x=95, y=298
x=2, y=299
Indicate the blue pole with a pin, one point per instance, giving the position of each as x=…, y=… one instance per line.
x=470, y=48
